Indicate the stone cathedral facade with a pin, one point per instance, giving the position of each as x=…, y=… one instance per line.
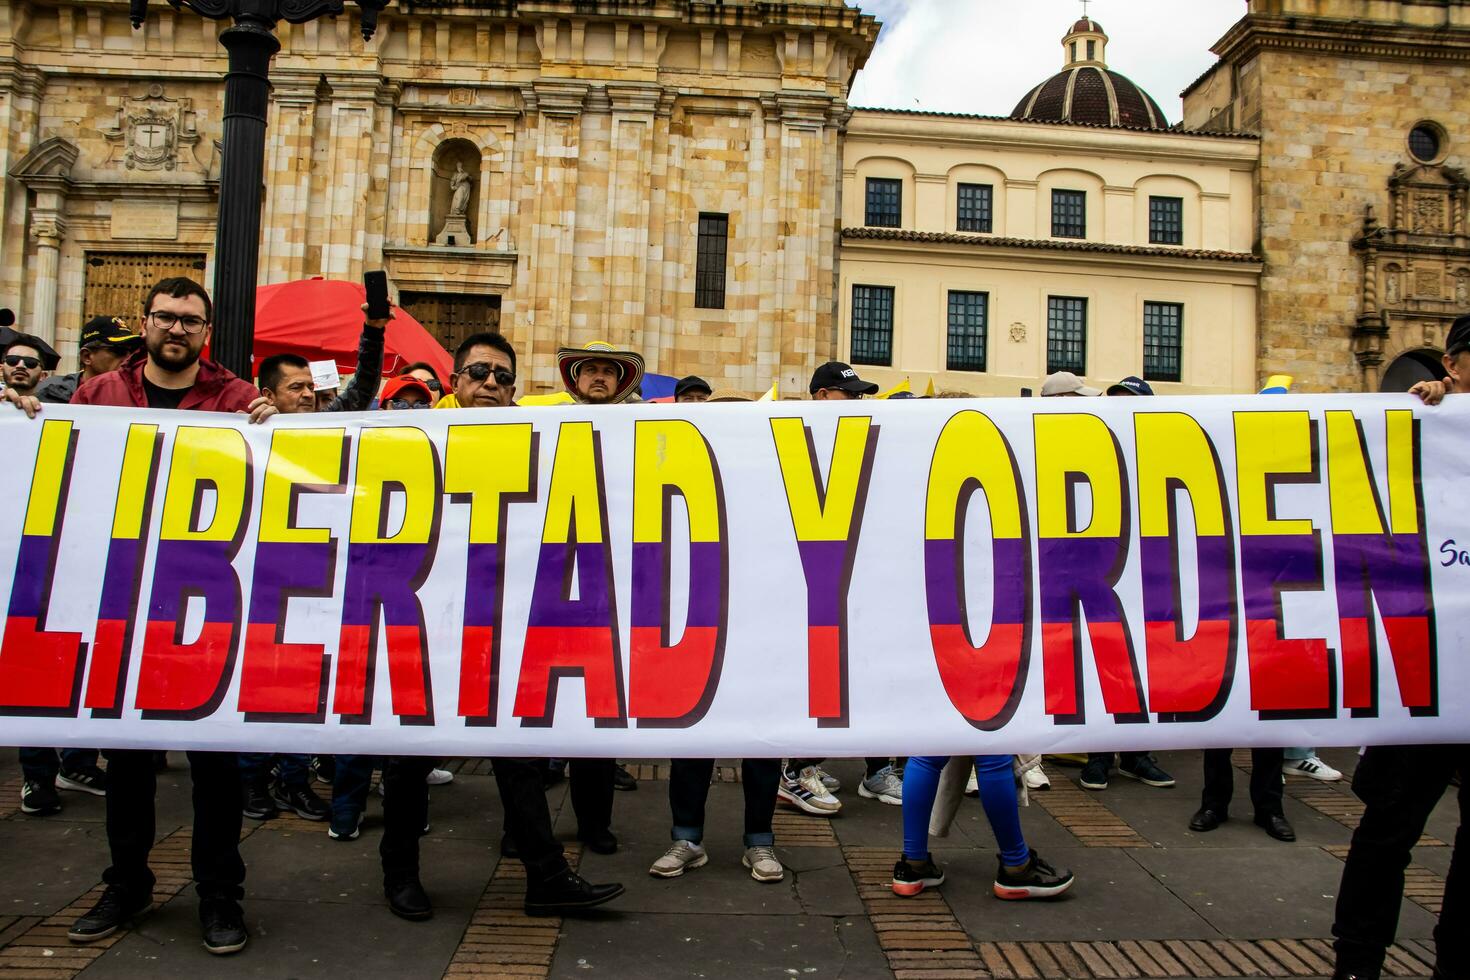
x=585, y=141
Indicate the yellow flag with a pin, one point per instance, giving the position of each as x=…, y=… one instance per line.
x=929, y=390
x=773, y=394
x=901, y=386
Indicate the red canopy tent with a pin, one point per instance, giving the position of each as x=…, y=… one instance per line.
x=321, y=319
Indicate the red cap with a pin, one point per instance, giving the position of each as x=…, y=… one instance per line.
x=394, y=387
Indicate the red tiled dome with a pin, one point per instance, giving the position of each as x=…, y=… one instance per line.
x=1091, y=95
x=1087, y=24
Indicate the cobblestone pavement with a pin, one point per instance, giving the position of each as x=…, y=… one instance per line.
x=1152, y=899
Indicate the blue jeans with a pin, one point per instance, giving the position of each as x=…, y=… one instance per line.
x=295, y=769
x=350, y=784
x=997, y=779
x=42, y=765
x=689, y=790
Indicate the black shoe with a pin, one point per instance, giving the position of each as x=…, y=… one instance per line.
x=1277, y=826
x=224, y=925
x=39, y=799
x=508, y=847
x=407, y=899
x=83, y=779
x=1036, y=880
x=623, y=779
x=601, y=841
x=1206, y=820
x=116, y=907
x=565, y=892
x=1094, y=775
x=1147, y=771
x=301, y=801
x=256, y=802
x=912, y=877
x=324, y=768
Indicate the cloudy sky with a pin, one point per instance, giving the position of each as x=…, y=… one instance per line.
x=981, y=56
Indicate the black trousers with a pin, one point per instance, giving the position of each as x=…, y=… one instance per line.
x=592, y=793
x=1266, y=781
x=132, y=784
x=406, y=811
x=1400, y=786
x=689, y=790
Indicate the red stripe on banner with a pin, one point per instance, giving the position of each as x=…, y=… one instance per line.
x=551, y=652
x=280, y=678
x=1408, y=639
x=1061, y=653
x=408, y=672
x=670, y=682
x=1185, y=676
x=980, y=681
x=103, y=689
x=1287, y=675
x=354, y=660
x=825, y=665
x=476, y=674
x=182, y=677
x=38, y=668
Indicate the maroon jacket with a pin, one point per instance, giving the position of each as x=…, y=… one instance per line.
x=215, y=389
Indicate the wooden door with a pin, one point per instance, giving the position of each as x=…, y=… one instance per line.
x=117, y=282
x=452, y=317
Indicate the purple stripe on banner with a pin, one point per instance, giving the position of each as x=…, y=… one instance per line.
x=120, y=579
x=1079, y=568
x=1292, y=561
x=823, y=562
x=1215, y=561
x=386, y=572
x=282, y=566
x=549, y=605
x=482, y=582
x=1008, y=569
x=1395, y=567
x=29, y=585
x=649, y=588
x=194, y=568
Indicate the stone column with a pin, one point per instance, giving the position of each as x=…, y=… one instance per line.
x=47, y=231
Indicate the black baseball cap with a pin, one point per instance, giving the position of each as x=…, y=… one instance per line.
x=107, y=331
x=692, y=383
x=835, y=374
x=1131, y=386
x=1459, y=336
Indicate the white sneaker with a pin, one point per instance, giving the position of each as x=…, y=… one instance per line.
x=1036, y=779
x=972, y=785
x=681, y=857
x=830, y=781
x=806, y=792
x=761, y=861
x=885, y=786
x=1312, y=767
x=438, y=777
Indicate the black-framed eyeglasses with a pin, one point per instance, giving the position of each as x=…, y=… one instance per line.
x=167, y=321
x=16, y=360
x=480, y=370
x=400, y=404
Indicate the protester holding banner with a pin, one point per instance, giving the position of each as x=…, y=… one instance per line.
x=286, y=380
x=22, y=367
x=104, y=343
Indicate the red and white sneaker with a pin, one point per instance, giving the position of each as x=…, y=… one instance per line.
x=1036, y=880
x=912, y=877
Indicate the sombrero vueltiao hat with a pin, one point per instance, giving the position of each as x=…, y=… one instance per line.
x=569, y=361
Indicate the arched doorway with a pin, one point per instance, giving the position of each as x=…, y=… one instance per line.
x=1410, y=368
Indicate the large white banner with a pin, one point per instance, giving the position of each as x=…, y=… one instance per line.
x=770, y=579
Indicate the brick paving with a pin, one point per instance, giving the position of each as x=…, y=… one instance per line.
x=1152, y=900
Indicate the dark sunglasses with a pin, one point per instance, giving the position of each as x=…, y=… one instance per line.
x=16, y=360
x=479, y=371
x=400, y=404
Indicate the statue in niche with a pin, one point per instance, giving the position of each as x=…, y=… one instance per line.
x=1391, y=285
x=459, y=188
x=454, y=193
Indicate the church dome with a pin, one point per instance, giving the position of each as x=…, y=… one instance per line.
x=1087, y=91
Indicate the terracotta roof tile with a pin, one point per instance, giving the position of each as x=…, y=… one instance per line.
x=993, y=241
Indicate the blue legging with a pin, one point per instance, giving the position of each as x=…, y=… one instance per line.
x=996, y=775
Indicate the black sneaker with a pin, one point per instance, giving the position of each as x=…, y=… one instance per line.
x=912, y=877
x=39, y=799
x=324, y=768
x=83, y=779
x=1036, y=880
x=1094, y=775
x=567, y=891
x=623, y=779
x=116, y=907
x=224, y=925
x=256, y=802
x=345, y=826
x=1147, y=771
x=301, y=801
x=407, y=899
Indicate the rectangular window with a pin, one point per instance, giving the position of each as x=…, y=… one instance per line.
x=1166, y=220
x=872, y=325
x=709, y=266
x=1066, y=334
x=967, y=328
x=974, y=207
x=1163, y=341
x=1069, y=214
x=885, y=203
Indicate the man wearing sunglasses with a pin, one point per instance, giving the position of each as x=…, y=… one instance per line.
x=105, y=342
x=22, y=368
x=484, y=373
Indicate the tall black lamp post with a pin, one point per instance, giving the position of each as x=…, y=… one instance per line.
x=251, y=42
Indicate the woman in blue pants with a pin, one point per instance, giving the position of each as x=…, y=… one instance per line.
x=1022, y=873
